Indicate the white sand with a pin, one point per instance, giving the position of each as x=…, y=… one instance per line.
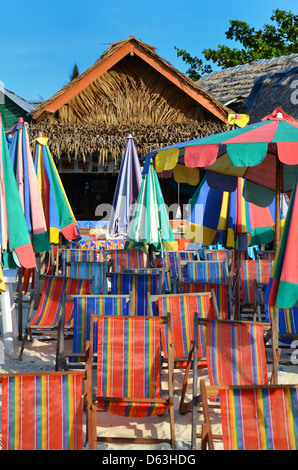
x=40, y=356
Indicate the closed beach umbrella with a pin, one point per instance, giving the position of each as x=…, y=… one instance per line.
x=228, y=218
x=282, y=291
x=58, y=212
x=126, y=192
x=15, y=240
x=28, y=187
x=150, y=224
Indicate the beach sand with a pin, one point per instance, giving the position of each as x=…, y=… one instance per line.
x=40, y=356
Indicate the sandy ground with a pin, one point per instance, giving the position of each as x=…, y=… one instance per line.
x=40, y=356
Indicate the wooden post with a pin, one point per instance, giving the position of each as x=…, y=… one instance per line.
x=237, y=284
x=275, y=319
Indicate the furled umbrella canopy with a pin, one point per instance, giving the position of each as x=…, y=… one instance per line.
x=150, y=224
x=228, y=218
x=58, y=212
x=282, y=291
x=28, y=187
x=15, y=240
x=126, y=192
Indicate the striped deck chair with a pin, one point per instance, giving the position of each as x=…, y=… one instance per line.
x=250, y=271
x=69, y=255
x=181, y=308
x=90, y=270
x=171, y=260
x=51, y=307
x=207, y=276
x=253, y=417
x=123, y=259
x=83, y=306
x=235, y=356
x=268, y=255
x=42, y=411
x=128, y=374
x=165, y=274
x=140, y=285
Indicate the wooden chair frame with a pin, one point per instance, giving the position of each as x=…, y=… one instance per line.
x=92, y=399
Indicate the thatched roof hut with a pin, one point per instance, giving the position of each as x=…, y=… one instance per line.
x=130, y=89
x=252, y=88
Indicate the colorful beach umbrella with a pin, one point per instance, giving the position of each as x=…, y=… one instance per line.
x=150, y=224
x=58, y=212
x=28, y=187
x=226, y=217
x=15, y=240
x=126, y=192
x=265, y=154
x=282, y=291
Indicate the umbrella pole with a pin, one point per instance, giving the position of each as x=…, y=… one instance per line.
x=275, y=319
x=237, y=284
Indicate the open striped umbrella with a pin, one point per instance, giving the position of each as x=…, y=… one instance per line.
x=150, y=224
x=228, y=218
x=126, y=192
x=58, y=212
x=15, y=240
x=265, y=154
x=28, y=187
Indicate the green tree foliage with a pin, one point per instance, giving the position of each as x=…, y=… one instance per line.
x=272, y=40
x=75, y=72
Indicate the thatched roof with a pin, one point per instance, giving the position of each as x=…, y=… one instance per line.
x=271, y=91
x=235, y=84
x=130, y=89
x=81, y=139
x=79, y=95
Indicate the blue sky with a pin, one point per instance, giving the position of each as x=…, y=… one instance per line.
x=40, y=41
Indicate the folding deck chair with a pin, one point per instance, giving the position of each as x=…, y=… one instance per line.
x=165, y=275
x=141, y=285
x=123, y=259
x=253, y=417
x=235, y=356
x=83, y=306
x=251, y=272
x=48, y=294
x=181, y=309
x=90, y=270
x=205, y=276
x=128, y=374
x=171, y=260
x=69, y=255
x=42, y=411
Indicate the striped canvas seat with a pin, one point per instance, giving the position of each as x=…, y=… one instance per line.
x=50, y=306
x=171, y=259
x=251, y=270
x=255, y=418
x=205, y=276
x=69, y=255
x=287, y=322
x=165, y=274
x=140, y=285
x=128, y=259
x=83, y=307
x=90, y=270
x=182, y=308
x=128, y=369
x=42, y=411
